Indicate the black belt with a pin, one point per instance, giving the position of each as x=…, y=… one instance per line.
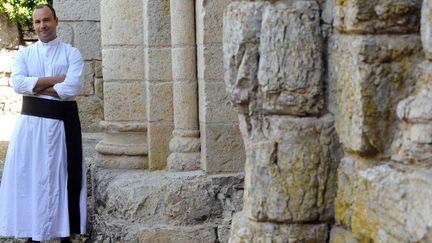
x=67, y=111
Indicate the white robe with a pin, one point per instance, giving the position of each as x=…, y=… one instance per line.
x=33, y=190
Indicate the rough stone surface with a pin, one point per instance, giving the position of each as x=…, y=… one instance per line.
x=377, y=16
x=90, y=112
x=9, y=34
x=178, y=235
x=281, y=59
x=87, y=39
x=290, y=66
x=222, y=148
x=157, y=23
x=371, y=74
x=123, y=63
x=120, y=27
x=341, y=235
x=126, y=101
x=146, y=199
x=217, y=106
x=242, y=25
x=87, y=79
x=246, y=230
x=87, y=10
x=386, y=202
x=291, y=169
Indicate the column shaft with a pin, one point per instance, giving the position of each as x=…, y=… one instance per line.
x=185, y=145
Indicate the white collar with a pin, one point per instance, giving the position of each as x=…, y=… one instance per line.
x=50, y=43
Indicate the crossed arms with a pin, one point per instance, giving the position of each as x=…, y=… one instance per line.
x=44, y=85
x=64, y=84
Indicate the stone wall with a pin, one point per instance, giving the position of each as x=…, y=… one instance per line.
x=80, y=26
x=378, y=71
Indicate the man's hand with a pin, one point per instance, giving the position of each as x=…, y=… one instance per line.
x=44, y=83
x=49, y=91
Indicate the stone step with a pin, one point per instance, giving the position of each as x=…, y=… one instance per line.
x=129, y=203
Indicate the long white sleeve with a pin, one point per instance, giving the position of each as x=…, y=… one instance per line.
x=71, y=86
x=21, y=82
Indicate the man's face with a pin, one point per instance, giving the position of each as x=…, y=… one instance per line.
x=45, y=24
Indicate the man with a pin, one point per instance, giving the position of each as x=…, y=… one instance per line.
x=43, y=190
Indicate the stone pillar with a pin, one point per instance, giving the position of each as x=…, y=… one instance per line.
x=185, y=144
x=222, y=148
x=124, y=126
x=158, y=80
x=274, y=75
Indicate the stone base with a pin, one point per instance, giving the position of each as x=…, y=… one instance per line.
x=246, y=230
x=135, y=205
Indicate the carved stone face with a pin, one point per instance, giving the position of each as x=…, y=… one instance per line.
x=45, y=24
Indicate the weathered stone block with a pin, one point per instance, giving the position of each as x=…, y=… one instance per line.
x=209, y=20
x=159, y=102
x=87, y=39
x=382, y=204
x=159, y=135
x=166, y=198
x=124, y=25
x=290, y=81
x=246, y=230
x=98, y=69
x=90, y=112
x=371, y=75
x=178, y=234
x=87, y=79
x=78, y=9
x=377, y=16
x=222, y=148
x=216, y=106
x=242, y=29
x=157, y=64
x=126, y=103
x=98, y=86
x=65, y=32
x=157, y=23
x=123, y=63
x=414, y=144
x=210, y=62
x=291, y=169
x=290, y=65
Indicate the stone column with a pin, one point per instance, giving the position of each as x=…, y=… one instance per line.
x=185, y=144
x=124, y=126
x=274, y=75
x=158, y=80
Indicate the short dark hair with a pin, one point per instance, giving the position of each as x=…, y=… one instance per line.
x=39, y=6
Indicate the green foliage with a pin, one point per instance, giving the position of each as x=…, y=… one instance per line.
x=20, y=11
